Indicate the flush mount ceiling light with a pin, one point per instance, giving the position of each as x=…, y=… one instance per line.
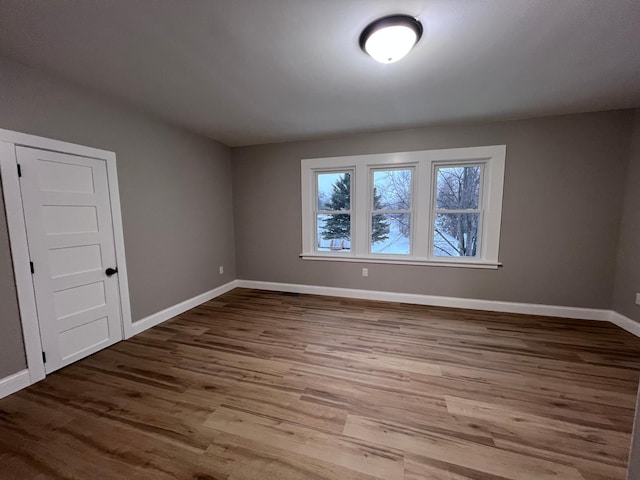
x=388, y=39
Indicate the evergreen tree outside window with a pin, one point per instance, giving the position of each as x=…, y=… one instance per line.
x=336, y=227
x=333, y=217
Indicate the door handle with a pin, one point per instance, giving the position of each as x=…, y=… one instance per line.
x=111, y=271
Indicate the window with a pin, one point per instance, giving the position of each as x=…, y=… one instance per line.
x=440, y=207
x=391, y=211
x=456, y=216
x=333, y=216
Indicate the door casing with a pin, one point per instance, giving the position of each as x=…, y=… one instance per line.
x=9, y=140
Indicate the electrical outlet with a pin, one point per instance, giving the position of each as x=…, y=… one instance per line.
x=365, y=272
x=637, y=298
x=221, y=269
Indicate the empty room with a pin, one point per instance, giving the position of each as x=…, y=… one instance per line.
x=319, y=239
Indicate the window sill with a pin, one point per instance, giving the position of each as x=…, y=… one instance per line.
x=402, y=261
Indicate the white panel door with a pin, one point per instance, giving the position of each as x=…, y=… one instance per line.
x=71, y=244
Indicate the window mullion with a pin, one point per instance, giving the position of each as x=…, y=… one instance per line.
x=333, y=212
x=390, y=212
x=360, y=208
x=445, y=211
x=421, y=209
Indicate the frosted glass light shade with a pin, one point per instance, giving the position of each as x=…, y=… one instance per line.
x=390, y=44
x=389, y=39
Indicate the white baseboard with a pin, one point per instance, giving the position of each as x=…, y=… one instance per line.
x=625, y=323
x=15, y=382
x=167, y=313
x=436, y=301
x=20, y=380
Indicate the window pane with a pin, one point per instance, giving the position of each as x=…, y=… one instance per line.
x=391, y=233
x=334, y=233
x=456, y=235
x=334, y=191
x=458, y=188
x=392, y=189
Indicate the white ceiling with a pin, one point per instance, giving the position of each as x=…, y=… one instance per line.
x=256, y=71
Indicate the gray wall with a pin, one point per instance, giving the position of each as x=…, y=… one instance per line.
x=561, y=214
x=627, y=281
x=175, y=190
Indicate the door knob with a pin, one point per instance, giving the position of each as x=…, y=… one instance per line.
x=111, y=271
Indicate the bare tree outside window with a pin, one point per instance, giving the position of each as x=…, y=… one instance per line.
x=392, y=205
x=457, y=212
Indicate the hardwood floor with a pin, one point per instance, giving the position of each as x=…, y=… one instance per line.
x=265, y=385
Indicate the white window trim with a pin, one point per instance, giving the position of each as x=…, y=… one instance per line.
x=424, y=164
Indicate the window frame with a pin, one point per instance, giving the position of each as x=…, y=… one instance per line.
x=435, y=210
x=423, y=163
x=349, y=212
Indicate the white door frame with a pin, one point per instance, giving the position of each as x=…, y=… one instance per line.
x=18, y=237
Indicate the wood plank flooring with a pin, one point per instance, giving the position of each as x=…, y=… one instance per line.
x=267, y=385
